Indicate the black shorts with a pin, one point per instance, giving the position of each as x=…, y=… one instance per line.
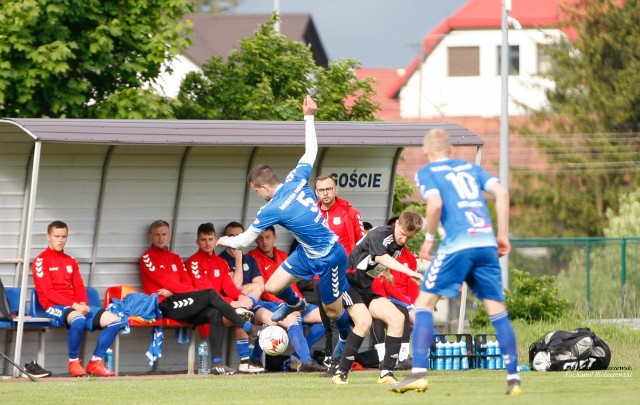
x=355, y=295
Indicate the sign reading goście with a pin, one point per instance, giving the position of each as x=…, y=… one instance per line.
x=360, y=178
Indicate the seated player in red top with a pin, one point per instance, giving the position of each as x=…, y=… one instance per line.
x=163, y=273
x=208, y=270
x=63, y=295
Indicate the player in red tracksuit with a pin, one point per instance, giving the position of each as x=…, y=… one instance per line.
x=63, y=295
x=207, y=270
x=346, y=222
x=164, y=273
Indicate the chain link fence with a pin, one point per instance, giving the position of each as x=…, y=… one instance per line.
x=599, y=276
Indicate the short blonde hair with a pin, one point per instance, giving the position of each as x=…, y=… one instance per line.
x=437, y=141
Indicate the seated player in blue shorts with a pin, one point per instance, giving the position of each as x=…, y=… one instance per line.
x=469, y=253
x=63, y=295
x=292, y=204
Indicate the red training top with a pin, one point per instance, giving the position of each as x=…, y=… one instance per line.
x=57, y=279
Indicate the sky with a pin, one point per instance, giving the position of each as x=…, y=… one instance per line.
x=378, y=33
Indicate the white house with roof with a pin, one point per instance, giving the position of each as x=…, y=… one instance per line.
x=458, y=72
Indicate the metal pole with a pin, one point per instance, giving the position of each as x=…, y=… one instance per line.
x=504, y=120
x=27, y=252
x=276, y=9
x=588, y=251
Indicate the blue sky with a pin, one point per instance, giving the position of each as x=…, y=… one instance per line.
x=378, y=33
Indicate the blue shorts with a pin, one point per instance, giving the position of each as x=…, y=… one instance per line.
x=60, y=312
x=479, y=267
x=331, y=269
x=274, y=306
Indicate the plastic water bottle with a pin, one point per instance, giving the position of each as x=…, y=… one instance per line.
x=439, y=363
x=108, y=359
x=491, y=358
x=203, y=357
x=456, y=355
x=524, y=367
x=499, y=363
x=464, y=361
x=448, y=352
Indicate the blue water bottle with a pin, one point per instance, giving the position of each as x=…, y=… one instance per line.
x=464, y=361
x=456, y=355
x=499, y=363
x=108, y=360
x=448, y=352
x=439, y=363
x=491, y=358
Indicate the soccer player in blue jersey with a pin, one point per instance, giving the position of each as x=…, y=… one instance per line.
x=469, y=253
x=292, y=204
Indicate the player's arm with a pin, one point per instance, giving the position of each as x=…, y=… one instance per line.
x=309, y=108
x=502, y=212
x=240, y=241
x=434, y=211
x=388, y=261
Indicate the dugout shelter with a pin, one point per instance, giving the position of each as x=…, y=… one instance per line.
x=109, y=179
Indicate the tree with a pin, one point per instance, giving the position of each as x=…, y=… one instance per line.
x=63, y=58
x=592, y=123
x=266, y=78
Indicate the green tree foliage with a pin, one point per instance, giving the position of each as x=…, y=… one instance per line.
x=626, y=222
x=592, y=122
x=266, y=78
x=63, y=58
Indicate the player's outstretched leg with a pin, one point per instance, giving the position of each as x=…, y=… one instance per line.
x=415, y=381
x=286, y=309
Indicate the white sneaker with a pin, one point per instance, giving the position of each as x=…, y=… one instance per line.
x=250, y=367
x=294, y=363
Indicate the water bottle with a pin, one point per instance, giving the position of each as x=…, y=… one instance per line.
x=491, y=358
x=464, y=361
x=108, y=360
x=203, y=357
x=448, y=352
x=499, y=363
x=524, y=367
x=439, y=363
x=456, y=356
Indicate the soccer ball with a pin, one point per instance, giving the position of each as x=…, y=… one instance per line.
x=541, y=361
x=273, y=340
x=584, y=346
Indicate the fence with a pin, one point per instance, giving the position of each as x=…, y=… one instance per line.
x=599, y=276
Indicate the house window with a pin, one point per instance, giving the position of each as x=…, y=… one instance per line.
x=464, y=61
x=545, y=60
x=514, y=60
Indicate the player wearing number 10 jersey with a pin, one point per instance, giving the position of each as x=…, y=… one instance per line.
x=469, y=252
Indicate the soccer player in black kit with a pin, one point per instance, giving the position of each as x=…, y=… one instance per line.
x=373, y=254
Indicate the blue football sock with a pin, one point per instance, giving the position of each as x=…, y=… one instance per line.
x=106, y=338
x=343, y=323
x=74, y=336
x=289, y=296
x=298, y=342
x=247, y=326
x=242, y=346
x=316, y=332
x=422, y=337
x=507, y=340
x=256, y=355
